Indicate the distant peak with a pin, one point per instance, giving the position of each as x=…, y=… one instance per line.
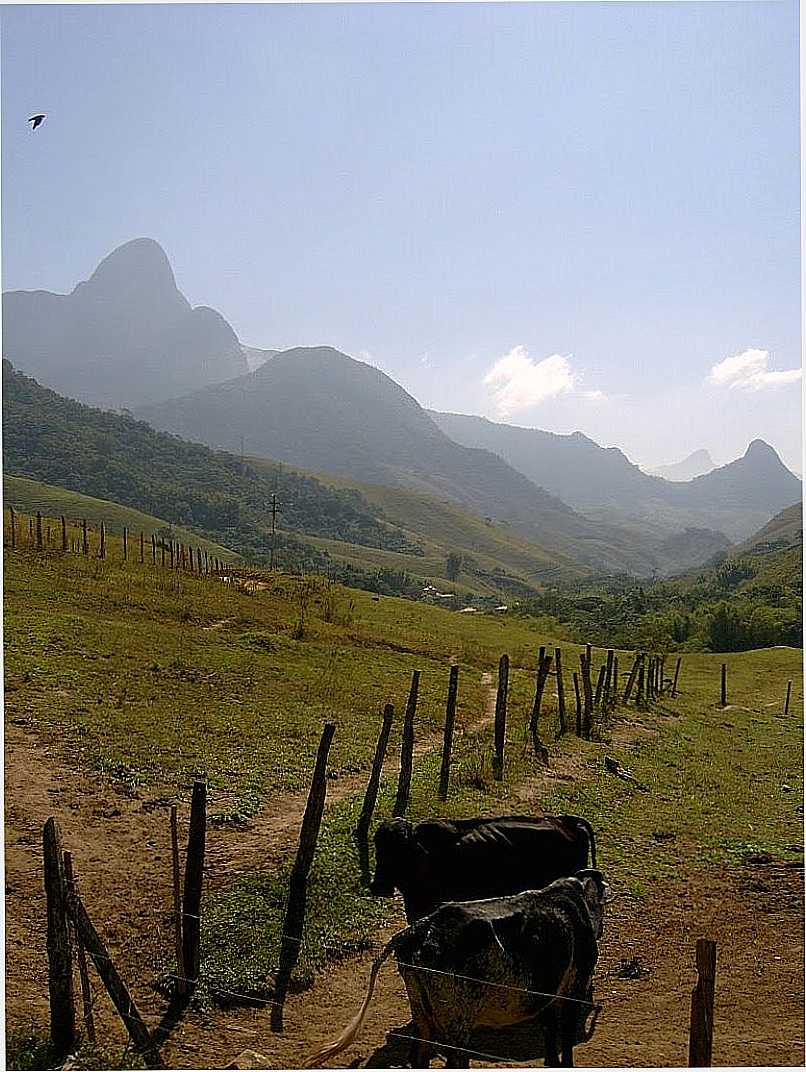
x=138, y=277
x=758, y=450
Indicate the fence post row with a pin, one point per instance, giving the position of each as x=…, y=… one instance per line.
x=407, y=749
x=501, y=717
x=294, y=920
x=447, y=742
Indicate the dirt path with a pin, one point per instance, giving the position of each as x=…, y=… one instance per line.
x=122, y=851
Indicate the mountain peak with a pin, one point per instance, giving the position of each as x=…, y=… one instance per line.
x=758, y=450
x=137, y=272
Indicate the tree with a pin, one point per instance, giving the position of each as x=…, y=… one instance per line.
x=453, y=566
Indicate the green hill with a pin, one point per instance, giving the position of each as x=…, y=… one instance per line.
x=29, y=496
x=113, y=457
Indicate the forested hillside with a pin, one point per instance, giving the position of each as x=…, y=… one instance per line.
x=109, y=456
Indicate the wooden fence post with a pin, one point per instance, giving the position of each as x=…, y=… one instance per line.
x=701, y=1034
x=587, y=691
x=162, y=553
x=788, y=698
x=639, y=692
x=153, y=549
x=501, y=717
x=83, y=971
x=613, y=698
x=578, y=699
x=294, y=919
x=650, y=678
x=194, y=871
x=38, y=531
x=662, y=671
x=102, y=549
x=142, y=547
x=558, y=666
x=676, y=675
x=543, y=671
x=64, y=533
x=85, y=547
x=632, y=677
x=407, y=749
x=60, y=957
x=13, y=520
x=125, y=544
x=181, y=985
x=371, y=795
x=724, y=685
x=116, y=988
x=608, y=682
x=447, y=741
x=597, y=702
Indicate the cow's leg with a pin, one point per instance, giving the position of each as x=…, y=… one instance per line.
x=551, y=1035
x=569, y=1019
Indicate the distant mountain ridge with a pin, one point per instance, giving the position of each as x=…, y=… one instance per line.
x=123, y=337
x=698, y=463
x=322, y=410
x=602, y=482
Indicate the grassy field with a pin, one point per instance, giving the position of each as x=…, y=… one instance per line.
x=153, y=676
x=442, y=528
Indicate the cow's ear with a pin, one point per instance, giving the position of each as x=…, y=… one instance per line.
x=436, y=836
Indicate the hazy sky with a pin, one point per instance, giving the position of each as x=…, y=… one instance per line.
x=571, y=216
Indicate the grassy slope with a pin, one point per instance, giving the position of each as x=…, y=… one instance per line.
x=28, y=496
x=442, y=528
x=109, y=662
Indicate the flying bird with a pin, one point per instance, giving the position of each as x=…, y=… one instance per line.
x=35, y=120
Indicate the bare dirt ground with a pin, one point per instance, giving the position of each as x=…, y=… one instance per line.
x=121, y=848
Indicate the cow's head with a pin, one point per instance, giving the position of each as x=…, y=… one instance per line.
x=597, y=894
x=395, y=850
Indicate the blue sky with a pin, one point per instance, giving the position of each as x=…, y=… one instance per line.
x=562, y=215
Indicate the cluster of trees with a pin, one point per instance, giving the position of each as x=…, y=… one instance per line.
x=744, y=603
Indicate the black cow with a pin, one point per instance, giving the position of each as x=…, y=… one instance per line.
x=468, y=859
x=497, y=963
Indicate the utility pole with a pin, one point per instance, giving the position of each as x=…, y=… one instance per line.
x=273, y=528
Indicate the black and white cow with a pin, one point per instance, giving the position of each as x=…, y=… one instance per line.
x=497, y=963
x=469, y=859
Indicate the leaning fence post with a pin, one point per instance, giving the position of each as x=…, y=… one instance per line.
x=560, y=688
x=724, y=685
x=501, y=717
x=543, y=671
x=177, y=891
x=597, y=700
x=102, y=550
x=116, y=988
x=788, y=698
x=294, y=919
x=194, y=871
x=60, y=957
x=631, y=678
x=371, y=795
x=447, y=741
x=407, y=749
x=701, y=1034
x=578, y=699
x=83, y=971
x=676, y=675
x=639, y=691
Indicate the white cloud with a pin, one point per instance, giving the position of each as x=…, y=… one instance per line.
x=750, y=371
x=517, y=382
